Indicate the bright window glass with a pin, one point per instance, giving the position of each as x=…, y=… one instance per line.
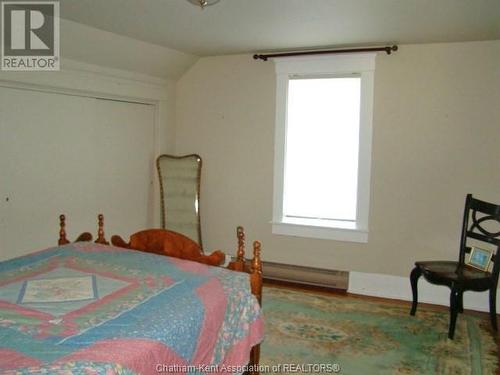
x=322, y=148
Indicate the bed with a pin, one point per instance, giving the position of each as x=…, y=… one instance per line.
x=93, y=308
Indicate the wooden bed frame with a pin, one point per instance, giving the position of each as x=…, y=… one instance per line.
x=253, y=267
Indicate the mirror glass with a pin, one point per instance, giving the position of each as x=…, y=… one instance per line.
x=179, y=178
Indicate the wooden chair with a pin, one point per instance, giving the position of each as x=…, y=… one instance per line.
x=458, y=276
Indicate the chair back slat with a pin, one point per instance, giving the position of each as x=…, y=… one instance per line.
x=485, y=207
x=484, y=238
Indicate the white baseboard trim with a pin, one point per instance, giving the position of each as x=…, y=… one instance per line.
x=397, y=287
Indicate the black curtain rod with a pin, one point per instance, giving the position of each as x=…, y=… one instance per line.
x=387, y=50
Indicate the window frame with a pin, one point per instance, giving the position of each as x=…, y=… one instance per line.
x=342, y=65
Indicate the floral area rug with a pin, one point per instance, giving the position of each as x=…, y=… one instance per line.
x=308, y=332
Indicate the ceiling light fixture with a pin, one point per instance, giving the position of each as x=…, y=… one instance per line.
x=203, y=3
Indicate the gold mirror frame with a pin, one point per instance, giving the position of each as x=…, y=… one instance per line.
x=194, y=189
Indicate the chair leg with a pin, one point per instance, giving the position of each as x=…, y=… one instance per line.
x=454, y=301
x=414, y=276
x=461, y=302
x=493, y=308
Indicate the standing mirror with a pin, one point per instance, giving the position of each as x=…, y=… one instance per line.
x=179, y=178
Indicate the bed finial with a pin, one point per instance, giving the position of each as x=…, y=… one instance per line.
x=256, y=262
x=240, y=255
x=256, y=280
x=100, y=231
x=62, y=231
x=238, y=264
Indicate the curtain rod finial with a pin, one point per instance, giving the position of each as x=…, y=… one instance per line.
x=262, y=57
x=394, y=48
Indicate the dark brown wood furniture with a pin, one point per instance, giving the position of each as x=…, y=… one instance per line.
x=155, y=237
x=479, y=217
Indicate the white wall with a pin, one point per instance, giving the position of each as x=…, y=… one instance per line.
x=436, y=133
x=75, y=155
x=98, y=61
x=101, y=64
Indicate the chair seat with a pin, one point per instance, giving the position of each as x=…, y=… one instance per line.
x=447, y=272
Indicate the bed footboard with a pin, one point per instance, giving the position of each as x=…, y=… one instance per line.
x=256, y=282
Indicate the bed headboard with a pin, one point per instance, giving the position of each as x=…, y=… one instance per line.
x=240, y=263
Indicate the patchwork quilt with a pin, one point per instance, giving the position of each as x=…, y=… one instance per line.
x=86, y=308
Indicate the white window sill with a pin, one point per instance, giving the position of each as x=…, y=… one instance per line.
x=322, y=229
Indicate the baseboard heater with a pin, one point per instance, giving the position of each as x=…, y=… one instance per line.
x=306, y=275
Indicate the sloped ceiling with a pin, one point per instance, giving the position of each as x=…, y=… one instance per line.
x=94, y=46
x=241, y=26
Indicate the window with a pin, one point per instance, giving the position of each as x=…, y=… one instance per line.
x=323, y=147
